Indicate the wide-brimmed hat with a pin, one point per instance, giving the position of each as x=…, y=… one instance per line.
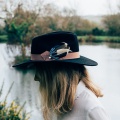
x=59, y=47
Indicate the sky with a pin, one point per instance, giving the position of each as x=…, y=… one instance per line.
x=82, y=7
x=90, y=7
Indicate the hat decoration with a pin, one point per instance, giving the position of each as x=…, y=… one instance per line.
x=59, y=51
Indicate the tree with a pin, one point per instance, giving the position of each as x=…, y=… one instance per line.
x=112, y=22
x=17, y=26
x=97, y=31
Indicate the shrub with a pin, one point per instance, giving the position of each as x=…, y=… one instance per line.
x=97, y=31
x=12, y=111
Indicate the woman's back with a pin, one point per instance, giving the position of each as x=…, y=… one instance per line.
x=86, y=106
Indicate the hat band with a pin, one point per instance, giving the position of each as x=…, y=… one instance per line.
x=45, y=56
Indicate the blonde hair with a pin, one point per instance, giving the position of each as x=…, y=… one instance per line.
x=58, y=83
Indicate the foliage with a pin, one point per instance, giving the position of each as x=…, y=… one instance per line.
x=2, y=31
x=112, y=24
x=12, y=111
x=24, y=24
x=97, y=31
x=22, y=57
x=75, y=24
x=16, y=33
x=83, y=32
x=91, y=38
x=27, y=24
x=3, y=38
x=17, y=27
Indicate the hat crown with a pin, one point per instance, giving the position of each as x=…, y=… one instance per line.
x=45, y=42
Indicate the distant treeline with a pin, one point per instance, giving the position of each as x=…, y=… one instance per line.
x=94, y=31
x=23, y=25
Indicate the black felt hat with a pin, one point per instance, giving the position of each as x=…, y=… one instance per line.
x=59, y=47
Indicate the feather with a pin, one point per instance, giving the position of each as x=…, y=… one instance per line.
x=59, y=51
x=61, y=45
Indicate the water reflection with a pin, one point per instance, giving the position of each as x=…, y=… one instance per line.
x=26, y=89
x=113, y=45
x=110, y=45
x=106, y=75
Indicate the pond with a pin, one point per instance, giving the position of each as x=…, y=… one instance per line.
x=106, y=75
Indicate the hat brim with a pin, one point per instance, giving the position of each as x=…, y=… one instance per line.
x=80, y=61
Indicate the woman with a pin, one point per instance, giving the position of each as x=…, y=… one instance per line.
x=66, y=89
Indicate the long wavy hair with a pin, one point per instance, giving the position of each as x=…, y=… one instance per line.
x=58, y=83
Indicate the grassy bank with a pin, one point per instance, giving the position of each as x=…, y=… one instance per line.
x=91, y=38
x=3, y=38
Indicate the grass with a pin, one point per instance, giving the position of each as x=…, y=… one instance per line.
x=3, y=38
x=91, y=38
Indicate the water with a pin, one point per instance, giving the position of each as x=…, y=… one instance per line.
x=106, y=75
